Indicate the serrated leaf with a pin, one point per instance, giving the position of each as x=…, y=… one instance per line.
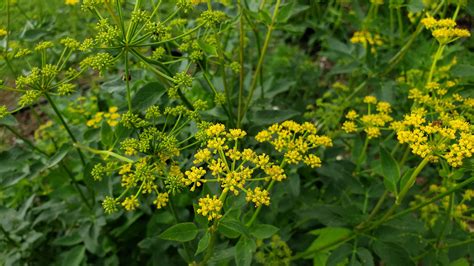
x=390, y=171
x=182, y=232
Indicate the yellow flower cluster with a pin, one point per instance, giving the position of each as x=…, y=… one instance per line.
x=437, y=97
x=296, y=141
x=371, y=123
x=449, y=137
x=111, y=117
x=161, y=200
x=444, y=29
x=366, y=38
x=210, y=207
x=258, y=196
x=234, y=168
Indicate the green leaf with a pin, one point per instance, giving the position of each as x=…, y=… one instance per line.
x=415, y=6
x=232, y=228
x=463, y=71
x=266, y=117
x=243, y=251
x=8, y=120
x=460, y=262
x=68, y=240
x=182, y=232
x=106, y=134
x=59, y=156
x=148, y=95
x=392, y=255
x=262, y=231
x=390, y=170
x=74, y=256
x=327, y=236
x=203, y=243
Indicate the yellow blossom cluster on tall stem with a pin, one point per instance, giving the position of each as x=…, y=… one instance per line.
x=373, y=121
x=296, y=141
x=447, y=137
x=444, y=30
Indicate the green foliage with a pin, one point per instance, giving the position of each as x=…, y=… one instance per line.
x=236, y=132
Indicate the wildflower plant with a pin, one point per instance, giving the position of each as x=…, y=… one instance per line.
x=177, y=130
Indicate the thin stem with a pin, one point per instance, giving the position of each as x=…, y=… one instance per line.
x=127, y=81
x=253, y=84
x=411, y=181
x=241, y=59
x=58, y=113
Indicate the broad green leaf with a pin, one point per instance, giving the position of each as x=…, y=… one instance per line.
x=392, y=255
x=390, y=170
x=58, y=157
x=148, y=95
x=203, y=243
x=265, y=117
x=243, y=251
x=182, y=232
x=107, y=134
x=232, y=228
x=74, y=256
x=327, y=236
x=460, y=262
x=262, y=231
x=68, y=240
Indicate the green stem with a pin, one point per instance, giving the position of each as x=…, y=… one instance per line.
x=58, y=113
x=436, y=57
x=253, y=84
x=127, y=81
x=411, y=181
x=241, y=59
x=102, y=152
x=257, y=211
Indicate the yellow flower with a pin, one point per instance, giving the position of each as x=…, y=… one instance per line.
x=236, y=134
x=384, y=107
x=372, y=132
x=370, y=99
x=215, y=130
x=130, y=203
x=3, y=32
x=210, y=207
x=349, y=127
x=275, y=172
x=71, y=2
x=194, y=177
x=312, y=161
x=161, y=200
x=263, y=136
x=202, y=155
x=258, y=196
x=351, y=115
